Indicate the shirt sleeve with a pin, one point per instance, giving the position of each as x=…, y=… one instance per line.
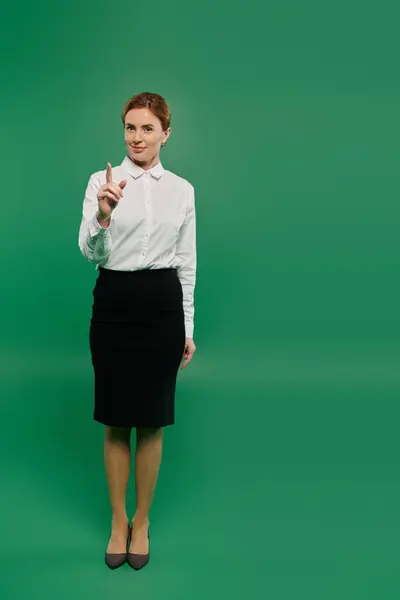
x=94, y=240
x=186, y=251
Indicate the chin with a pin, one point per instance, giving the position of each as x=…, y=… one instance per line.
x=139, y=158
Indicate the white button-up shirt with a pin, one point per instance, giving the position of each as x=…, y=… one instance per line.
x=153, y=226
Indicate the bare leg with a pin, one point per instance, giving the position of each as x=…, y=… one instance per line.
x=117, y=456
x=147, y=466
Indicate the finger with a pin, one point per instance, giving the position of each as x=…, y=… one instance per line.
x=112, y=188
x=109, y=173
x=187, y=361
x=110, y=196
x=123, y=184
x=115, y=189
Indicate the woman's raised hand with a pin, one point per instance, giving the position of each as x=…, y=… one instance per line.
x=109, y=195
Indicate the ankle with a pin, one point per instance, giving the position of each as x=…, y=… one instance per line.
x=119, y=520
x=140, y=520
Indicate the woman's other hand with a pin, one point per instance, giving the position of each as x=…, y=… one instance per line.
x=190, y=349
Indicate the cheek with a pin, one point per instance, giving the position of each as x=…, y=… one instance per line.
x=153, y=140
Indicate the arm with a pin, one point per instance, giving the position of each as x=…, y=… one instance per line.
x=186, y=251
x=94, y=235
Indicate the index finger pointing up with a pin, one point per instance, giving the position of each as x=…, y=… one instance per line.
x=109, y=173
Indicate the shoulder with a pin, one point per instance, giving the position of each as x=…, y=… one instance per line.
x=178, y=181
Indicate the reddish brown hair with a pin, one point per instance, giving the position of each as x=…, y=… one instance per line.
x=154, y=102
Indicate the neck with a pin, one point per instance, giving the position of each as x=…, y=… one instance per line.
x=145, y=165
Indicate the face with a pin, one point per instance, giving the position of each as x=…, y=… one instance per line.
x=144, y=136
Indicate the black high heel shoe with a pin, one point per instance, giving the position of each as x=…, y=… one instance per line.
x=138, y=561
x=114, y=561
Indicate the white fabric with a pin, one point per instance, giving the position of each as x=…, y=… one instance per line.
x=153, y=226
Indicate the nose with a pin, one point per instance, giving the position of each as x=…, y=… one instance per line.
x=136, y=136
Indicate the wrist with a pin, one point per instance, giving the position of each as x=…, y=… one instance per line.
x=103, y=220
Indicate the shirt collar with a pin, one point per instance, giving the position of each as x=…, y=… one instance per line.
x=137, y=171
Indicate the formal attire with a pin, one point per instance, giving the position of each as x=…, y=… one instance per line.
x=143, y=299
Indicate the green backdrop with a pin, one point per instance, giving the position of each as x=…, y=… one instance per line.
x=280, y=479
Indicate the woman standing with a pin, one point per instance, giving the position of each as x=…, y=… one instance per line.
x=139, y=228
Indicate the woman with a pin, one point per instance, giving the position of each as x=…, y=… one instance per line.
x=139, y=228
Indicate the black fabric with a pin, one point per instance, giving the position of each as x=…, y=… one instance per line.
x=137, y=340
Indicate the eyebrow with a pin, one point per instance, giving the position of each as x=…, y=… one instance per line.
x=146, y=125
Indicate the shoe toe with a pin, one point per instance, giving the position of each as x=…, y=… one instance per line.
x=115, y=560
x=138, y=561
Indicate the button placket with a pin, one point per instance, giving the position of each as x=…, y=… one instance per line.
x=147, y=207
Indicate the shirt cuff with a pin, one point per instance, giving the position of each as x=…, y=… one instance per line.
x=189, y=330
x=96, y=229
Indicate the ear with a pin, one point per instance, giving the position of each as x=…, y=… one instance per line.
x=167, y=133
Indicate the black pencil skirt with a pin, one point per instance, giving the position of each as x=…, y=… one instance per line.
x=137, y=340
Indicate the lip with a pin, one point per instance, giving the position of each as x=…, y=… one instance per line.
x=138, y=149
